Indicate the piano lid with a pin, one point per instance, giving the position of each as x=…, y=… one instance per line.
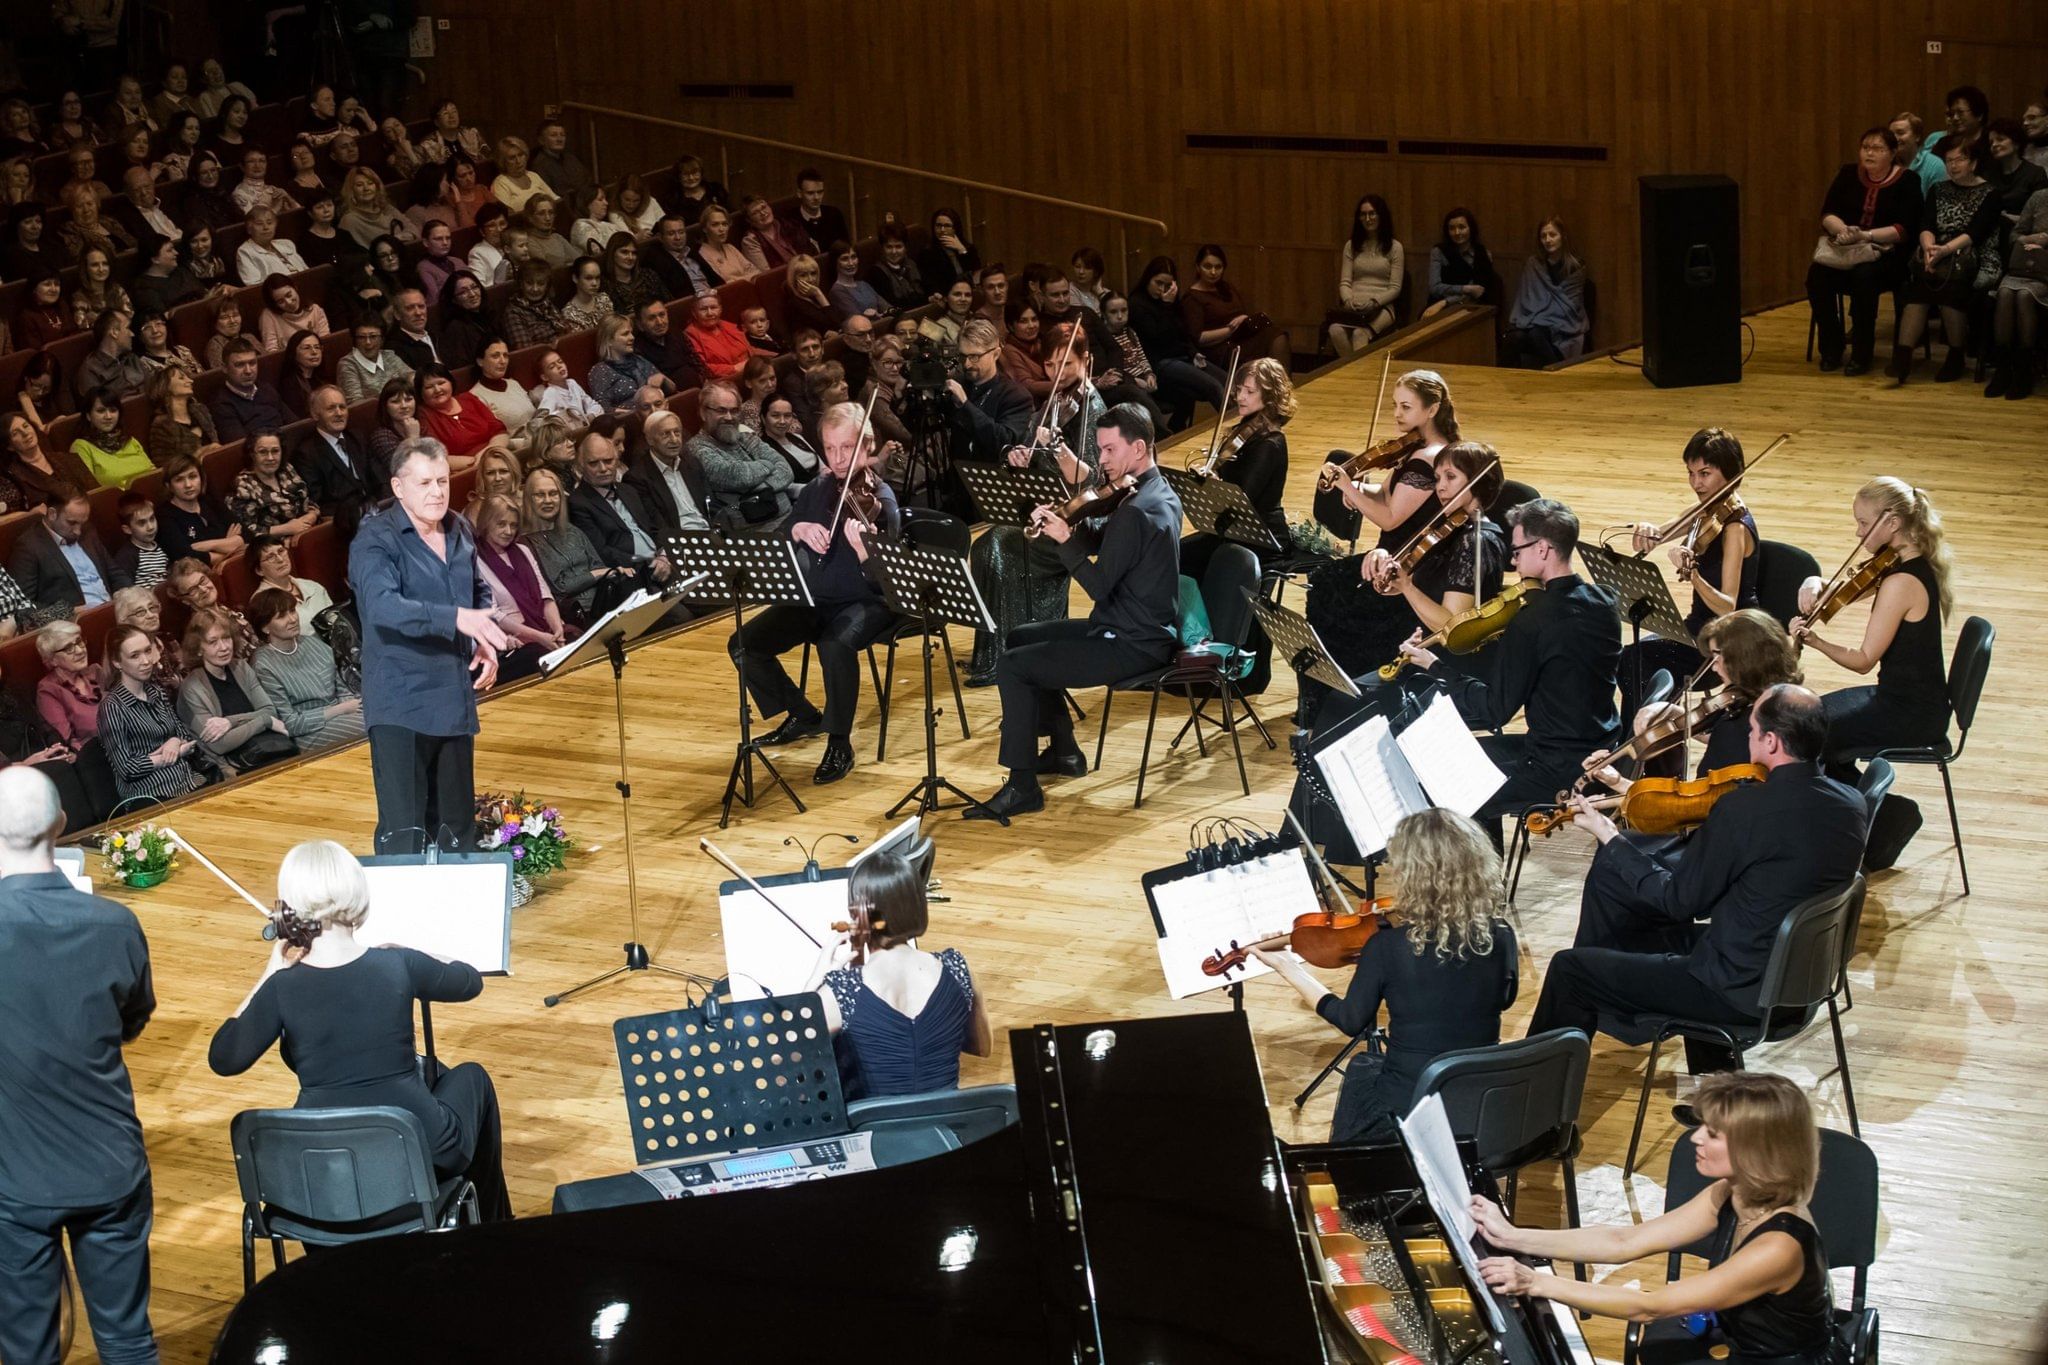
x=1152, y=1167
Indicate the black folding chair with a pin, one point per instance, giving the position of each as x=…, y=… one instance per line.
x=1966, y=673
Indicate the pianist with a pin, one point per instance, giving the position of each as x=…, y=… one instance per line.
x=343, y=1014
x=1766, y=1286
x=900, y=1018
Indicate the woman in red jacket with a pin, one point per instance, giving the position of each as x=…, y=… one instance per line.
x=460, y=422
x=721, y=347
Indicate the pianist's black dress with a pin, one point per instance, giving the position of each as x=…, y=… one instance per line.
x=1797, y=1325
x=882, y=1051
x=1433, y=1007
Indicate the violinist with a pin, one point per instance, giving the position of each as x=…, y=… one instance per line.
x=1721, y=570
x=1130, y=564
x=1554, y=662
x=1252, y=455
x=1022, y=579
x=836, y=524
x=1425, y=421
x=1765, y=847
x=1444, y=966
x=1902, y=638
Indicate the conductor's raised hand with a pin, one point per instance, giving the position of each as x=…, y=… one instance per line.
x=484, y=663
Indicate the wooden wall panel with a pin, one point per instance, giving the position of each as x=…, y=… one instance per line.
x=1078, y=98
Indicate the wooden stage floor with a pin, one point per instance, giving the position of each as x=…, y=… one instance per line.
x=1050, y=915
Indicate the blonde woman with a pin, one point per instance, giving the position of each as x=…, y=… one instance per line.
x=623, y=380
x=1901, y=637
x=368, y=213
x=1766, y=1283
x=1445, y=969
x=516, y=182
x=348, y=1010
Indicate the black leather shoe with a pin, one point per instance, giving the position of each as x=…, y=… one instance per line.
x=1952, y=366
x=1052, y=764
x=794, y=728
x=1686, y=1115
x=1852, y=368
x=837, y=762
x=1830, y=363
x=1012, y=800
x=987, y=679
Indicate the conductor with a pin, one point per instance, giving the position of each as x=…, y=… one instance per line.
x=427, y=628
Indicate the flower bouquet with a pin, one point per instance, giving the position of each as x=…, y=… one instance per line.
x=531, y=832
x=140, y=857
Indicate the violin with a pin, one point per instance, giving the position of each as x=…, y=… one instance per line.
x=1845, y=589
x=1660, y=737
x=1241, y=435
x=1663, y=805
x=1325, y=938
x=1441, y=528
x=1090, y=502
x=1388, y=454
x=1706, y=519
x=1470, y=629
x=860, y=932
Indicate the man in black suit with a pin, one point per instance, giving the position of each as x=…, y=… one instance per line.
x=817, y=219
x=246, y=403
x=1765, y=848
x=666, y=346
x=668, y=478
x=1555, y=663
x=668, y=256
x=413, y=340
x=617, y=520
x=335, y=464
x=59, y=562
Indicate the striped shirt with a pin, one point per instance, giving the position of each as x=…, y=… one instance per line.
x=134, y=727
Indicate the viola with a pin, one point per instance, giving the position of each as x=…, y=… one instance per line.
x=1388, y=454
x=1090, y=502
x=1661, y=805
x=1470, y=629
x=1325, y=938
x=1858, y=582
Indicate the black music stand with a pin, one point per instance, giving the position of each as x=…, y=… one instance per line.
x=1005, y=495
x=938, y=589
x=1642, y=597
x=1297, y=642
x=608, y=637
x=723, y=1077
x=758, y=569
x=1220, y=507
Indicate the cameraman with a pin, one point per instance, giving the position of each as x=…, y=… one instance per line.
x=990, y=412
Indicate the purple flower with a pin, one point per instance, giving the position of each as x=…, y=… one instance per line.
x=511, y=829
x=518, y=852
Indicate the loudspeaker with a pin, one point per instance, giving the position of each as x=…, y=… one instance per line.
x=1692, y=280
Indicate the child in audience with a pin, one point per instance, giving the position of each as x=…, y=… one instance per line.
x=140, y=562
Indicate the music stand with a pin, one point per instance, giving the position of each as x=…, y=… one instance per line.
x=758, y=569
x=1220, y=507
x=467, y=900
x=608, y=636
x=1005, y=495
x=937, y=588
x=1304, y=650
x=722, y=1078
x=1641, y=595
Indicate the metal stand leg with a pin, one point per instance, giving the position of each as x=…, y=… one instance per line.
x=925, y=795
x=749, y=750
x=1335, y=1064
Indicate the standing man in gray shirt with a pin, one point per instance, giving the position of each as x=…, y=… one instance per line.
x=74, y=987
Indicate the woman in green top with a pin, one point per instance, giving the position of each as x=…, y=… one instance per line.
x=114, y=457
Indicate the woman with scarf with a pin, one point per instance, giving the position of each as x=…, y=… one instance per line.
x=1549, y=321
x=1869, y=216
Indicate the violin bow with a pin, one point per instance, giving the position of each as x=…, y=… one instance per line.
x=1208, y=465
x=1053, y=393
x=1692, y=516
x=846, y=484
x=758, y=889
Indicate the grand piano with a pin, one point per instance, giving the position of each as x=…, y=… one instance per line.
x=1141, y=1211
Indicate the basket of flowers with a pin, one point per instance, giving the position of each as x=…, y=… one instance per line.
x=140, y=857
x=531, y=831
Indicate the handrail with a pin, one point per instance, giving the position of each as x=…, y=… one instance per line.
x=964, y=183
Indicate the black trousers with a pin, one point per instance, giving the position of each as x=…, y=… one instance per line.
x=839, y=631
x=1533, y=775
x=1862, y=721
x=468, y=1090
x=1863, y=286
x=1626, y=961
x=426, y=784
x=1041, y=659
x=109, y=1248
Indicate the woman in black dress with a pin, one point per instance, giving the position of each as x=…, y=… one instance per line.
x=1444, y=968
x=1766, y=1286
x=1902, y=638
x=1722, y=571
x=1253, y=455
x=1957, y=259
x=900, y=1018
x=342, y=1014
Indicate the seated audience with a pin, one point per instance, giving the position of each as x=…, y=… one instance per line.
x=58, y=562
x=662, y=342
x=593, y=228
x=115, y=458
x=112, y=365
x=564, y=171
x=516, y=182
x=68, y=699
x=417, y=341
x=304, y=356
x=1460, y=267
x=207, y=202
x=757, y=385
x=613, y=515
x=87, y=228
x=1371, y=279
x=497, y=472
x=139, y=560
x=270, y=499
x=193, y=587
x=589, y=305
x=263, y=253
x=1220, y=317
x=246, y=403
x=562, y=396
x=668, y=256
x=626, y=282
x=165, y=281
x=1548, y=322
x=694, y=195
x=33, y=471
x=271, y=557
x=807, y=304
x=760, y=333
x=623, y=380
x=522, y=603
x=335, y=463
x=397, y=422
x=668, y=477
x=135, y=605
x=30, y=246
x=743, y=474
x=153, y=346
x=948, y=258
x=1869, y=219
x=254, y=190
x=43, y=317
x=322, y=243
x=227, y=328
x=298, y=672
x=900, y=1017
x=1185, y=376
x=531, y=317
x=222, y=701
x=721, y=348
x=852, y=294
x=284, y=313
x=466, y=328
x=769, y=242
x=635, y=209
x=1957, y=247
x=152, y=753
x=894, y=276
x=532, y=236
x=2017, y=304
x=718, y=260
x=439, y=261
x=1024, y=359
x=26, y=738
x=190, y=520
x=1085, y=273
x=461, y=422
x=496, y=392
x=815, y=218
x=574, y=572
x=347, y=1009
x=368, y=213
x=782, y=432
x=367, y=367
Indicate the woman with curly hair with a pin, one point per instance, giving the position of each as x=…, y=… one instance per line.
x=1444, y=968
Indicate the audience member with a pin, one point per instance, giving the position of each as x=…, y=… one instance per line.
x=438, y=264
x=635, y=209
x=894, y=277
x=611, y=513
x=563, y=170
x=30, y=247
x=27, y=739
x=693, y=193
x=574, y=571
x=271, y=557
x=151, y=752
x=668, y=256
x=207, y=201
x=593, y=227
x=589, y=305
x=2016, y=306
x=285, y=313
x=96, y=291
x=68, y=699
x=222, y=701
x=115, y=458
x=416, y=342
x=720, y=348
x=1372, y=277
x=1870, y=215
x=190, y=520
x=991, y=412
x=498, y=472
x=298, y=673
x=522, y=603
x=461, y=422
x=562, y=396
x=664, y=345
x=1957, y=227
x=1185, y=378
x=270, y=498
x=516, y=182
x=135, y=605
x=782, y=432
x=623, y=380
x=367, y=213
x=254, y=190
x=139, y=560
x=245, y=403
x=43, y=317
x=948, y=258
x=178, y=424
x=111, y=366
x=193, y=587
x=1460, y=267
x=1968, y=110
x=669, y=479
x=36, y=471
x=153, y=346
x=1548, y=323
x=335, y=465
x=88, y=228
x=743, y=474
x=717, y=260
x=59, y=562
x=625, y=281
x=367, y=367
x=226, y=314
x=769, y=242
x=531, y=318
x=397, y=422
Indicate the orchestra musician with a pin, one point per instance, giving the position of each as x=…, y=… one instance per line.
x=1901, y=639
x=1021, y=578
x=1764, y=848
x=1343, y=604
x=1443, y=964
x=1722, y=571
x=1252, y=455
x=834, y=523
x=1554, y=662
x=1130, y=566
x=1766, y=1282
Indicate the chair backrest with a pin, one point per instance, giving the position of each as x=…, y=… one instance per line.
x=1512, y=494
x=1228, y=585
x=334, y=1165
x=971, y=1114
x=1966, y=671
x=1805, y=964
x=928, y=528
x=1844, y=1204
x=1660, y=688
x=1780, y=569
x=1518, y=1101
x=1874, y=784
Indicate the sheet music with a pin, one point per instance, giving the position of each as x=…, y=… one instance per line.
x=764, y=954
x=459, y=911
x=1434, y=1149
x=1448, y=761
x=553, y=659
x=1375, y=785
x=1206, y=913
